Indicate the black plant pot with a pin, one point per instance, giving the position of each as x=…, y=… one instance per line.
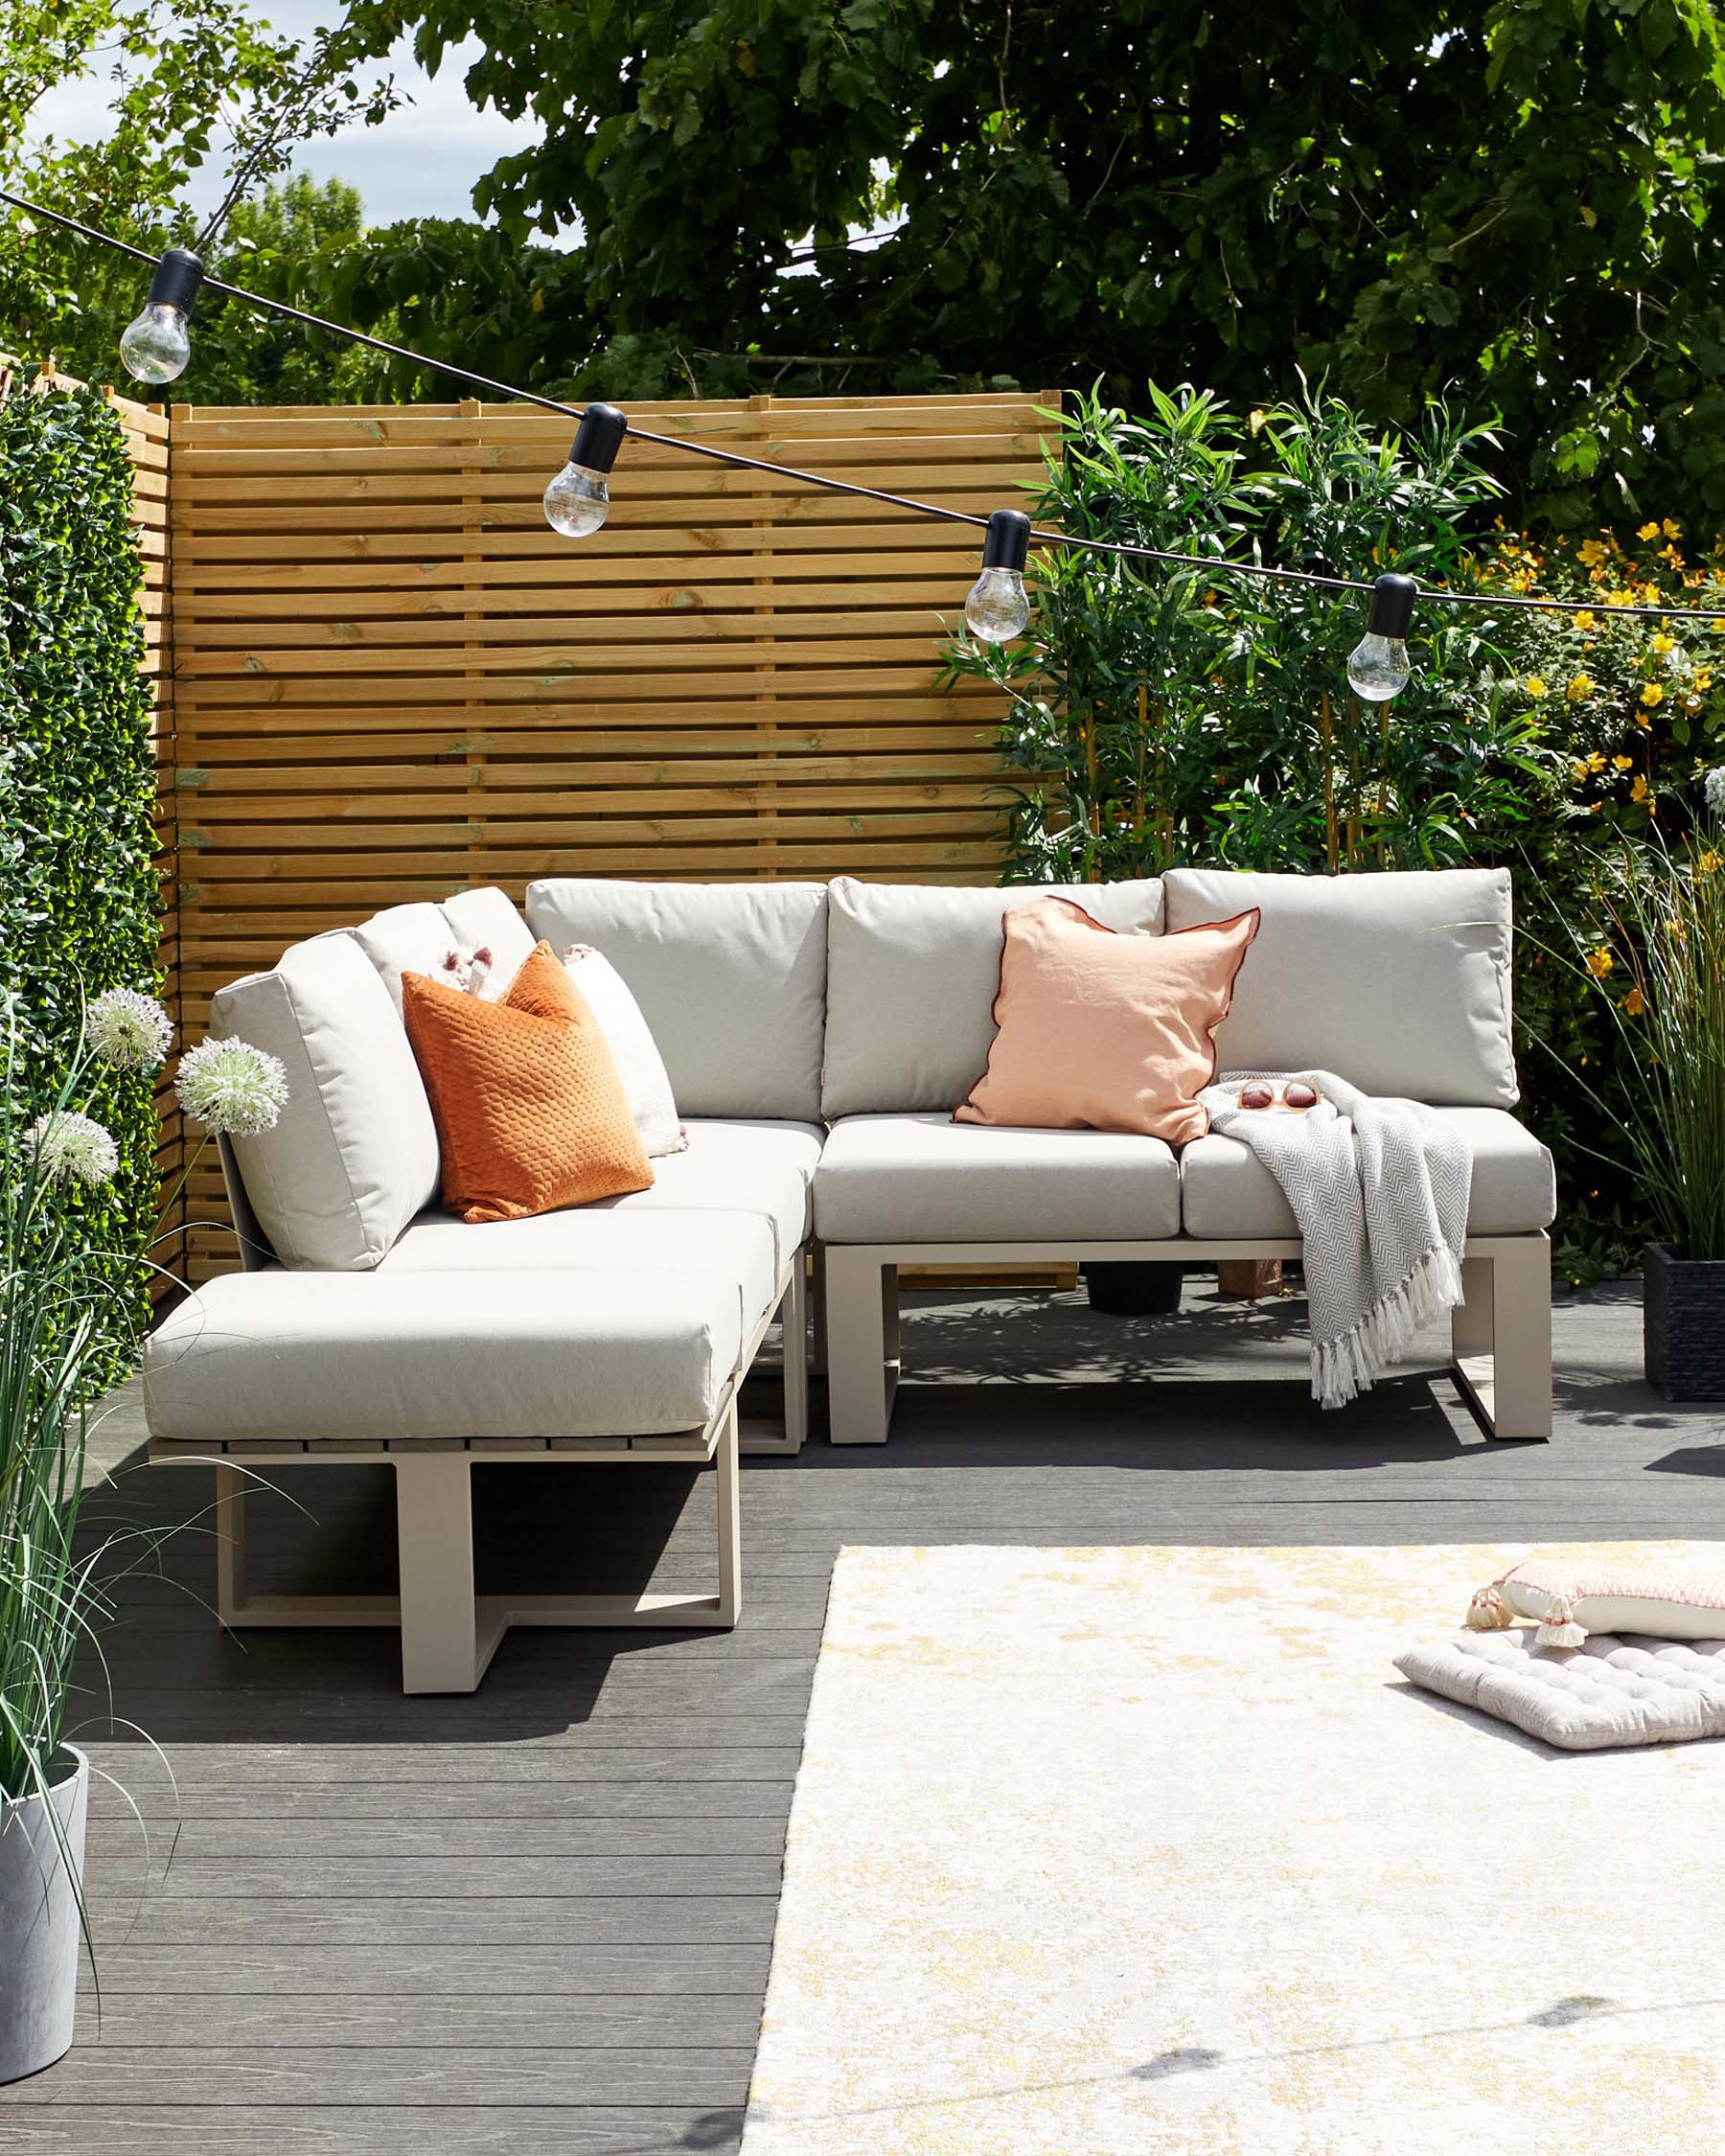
x=1135, y=1290
x=1683, y=1323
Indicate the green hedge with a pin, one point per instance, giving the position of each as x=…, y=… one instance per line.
x=78, y=879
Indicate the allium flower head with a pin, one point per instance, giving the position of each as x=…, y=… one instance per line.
x=235, y=1089
x=68, y=1147
x=1713, y=790
x=130, y=1029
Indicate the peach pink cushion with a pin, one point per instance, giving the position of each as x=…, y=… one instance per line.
x=1106, y=1032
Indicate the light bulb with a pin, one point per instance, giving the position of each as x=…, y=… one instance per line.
x=1377, y=666
x=997, y=610
x=156, y=346
x=577, y=500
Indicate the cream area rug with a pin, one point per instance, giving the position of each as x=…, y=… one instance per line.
x=1100, y=1852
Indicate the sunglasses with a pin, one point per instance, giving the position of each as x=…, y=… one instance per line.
x=1285, y=1092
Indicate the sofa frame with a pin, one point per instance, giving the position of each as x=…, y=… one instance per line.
x=449, y=1632
x=1499, y=1336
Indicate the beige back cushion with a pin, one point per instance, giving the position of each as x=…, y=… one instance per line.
x=730, y=977
x=1398, y=982
x=912, y=972
x=416, y=938
x=354, y=1154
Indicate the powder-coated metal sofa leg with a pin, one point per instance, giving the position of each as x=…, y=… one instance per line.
x=730, y=1522
x=861, y=1343
x=1500, y=1337
x=434, y=1534
x=794, y=1324
x=230, y=1543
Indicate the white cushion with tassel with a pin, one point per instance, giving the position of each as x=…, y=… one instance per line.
x=1570, y=1600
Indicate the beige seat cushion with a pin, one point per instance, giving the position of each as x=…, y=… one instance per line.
x=417, y=1354
x=925, y=1179
x=763, y=1169
x=1227, y=1192
x=739, y=1247
x=415, y=938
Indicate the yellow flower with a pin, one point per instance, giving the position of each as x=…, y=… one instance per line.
x=1535, y=685
x=1647, y=531
x=1703, y=678
x=1580, y=685
x=1579, y=773
x=1662, y=643
x=1633, y=1004
x=1672, y=529
x=1591, y=553
x=1584, y=620
x=1710, y=861
x=1625, y=763
x=1620, y=598
x=1652, y=692
x=1641, y=718
x=1597, y=760
x=1599, y=962
x=1639, y=790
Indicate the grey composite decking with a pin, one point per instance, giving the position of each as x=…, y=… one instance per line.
x=537, y=1920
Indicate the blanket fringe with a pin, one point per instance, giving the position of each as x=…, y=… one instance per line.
x=1348, y=1365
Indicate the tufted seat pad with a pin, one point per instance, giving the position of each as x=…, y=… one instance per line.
x=1614, y=1691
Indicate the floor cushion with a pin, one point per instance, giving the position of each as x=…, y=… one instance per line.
x=1226, y=1191
x=925, y=1179
x=1614, y=1691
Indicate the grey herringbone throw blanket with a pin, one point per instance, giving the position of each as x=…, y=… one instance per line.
x=1379, y=1188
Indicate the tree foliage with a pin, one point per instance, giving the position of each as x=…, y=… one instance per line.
x=1515, y=204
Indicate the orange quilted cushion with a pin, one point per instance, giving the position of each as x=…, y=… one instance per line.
x=530, y=1112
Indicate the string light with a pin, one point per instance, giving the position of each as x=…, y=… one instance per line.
x=159, y=343
x=997, y=610
x=577, y=500
x=1377, y=666
x=156, y=346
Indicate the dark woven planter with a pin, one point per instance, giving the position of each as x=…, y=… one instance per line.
x=1683, y=1323
x=1137, y=1289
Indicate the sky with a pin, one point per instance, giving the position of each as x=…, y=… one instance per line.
x=421, y=162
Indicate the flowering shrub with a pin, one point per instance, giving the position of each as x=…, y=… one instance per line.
x=1160, y=716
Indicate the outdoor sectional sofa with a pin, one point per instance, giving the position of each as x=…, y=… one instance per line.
x=818, y=1038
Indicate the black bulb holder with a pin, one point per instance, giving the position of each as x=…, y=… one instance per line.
x=599, y=437
x=1391, y=613
x=177, y=276
x=1006, y=544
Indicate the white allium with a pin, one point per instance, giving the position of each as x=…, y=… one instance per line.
x=1713, y=790
x=234, y=1088
x=68, y=1147
x=130, y=1029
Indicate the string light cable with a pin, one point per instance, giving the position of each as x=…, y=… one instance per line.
x=157, y=348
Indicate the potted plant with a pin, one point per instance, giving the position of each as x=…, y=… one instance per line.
x=59, y=1313
x=1658, y=963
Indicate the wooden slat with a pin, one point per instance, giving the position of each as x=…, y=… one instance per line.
x=390, y=678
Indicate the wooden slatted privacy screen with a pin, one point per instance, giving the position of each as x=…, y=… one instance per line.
x=393, y=680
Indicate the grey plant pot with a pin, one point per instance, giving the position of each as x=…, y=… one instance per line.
x=39, y=1930
x=1683, y=1323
